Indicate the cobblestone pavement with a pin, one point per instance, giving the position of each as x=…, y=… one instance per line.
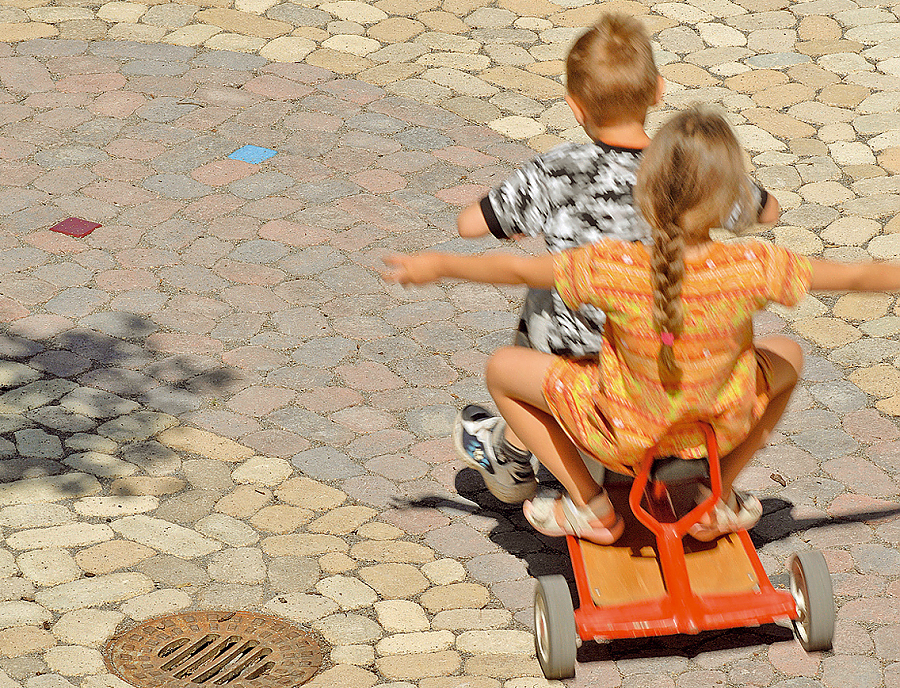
x=213, y=401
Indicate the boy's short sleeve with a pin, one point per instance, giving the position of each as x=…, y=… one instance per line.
x=746, y=214
x=520, y=204
x=787, y=275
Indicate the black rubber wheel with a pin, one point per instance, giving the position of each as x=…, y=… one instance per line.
x=811, y=588
x=554, y=627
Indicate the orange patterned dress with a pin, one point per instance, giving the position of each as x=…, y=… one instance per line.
x=614, y=406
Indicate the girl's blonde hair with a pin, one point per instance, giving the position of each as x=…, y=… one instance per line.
x=691, y=178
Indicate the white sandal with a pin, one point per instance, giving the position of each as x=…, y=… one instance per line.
x=555, y=514
x=741, y=513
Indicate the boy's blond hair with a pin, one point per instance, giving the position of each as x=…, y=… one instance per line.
x=610, y=71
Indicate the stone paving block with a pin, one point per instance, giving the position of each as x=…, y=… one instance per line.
x=69, y=535
x=95, y=591
x=99, y=464
x=444, y=571
x=244, y=501
x=342, y=520
x=301, y=607
x=454, y=596
x=87, y=627
x=14, y=374
x=48, y=489
x=302, y=545
x=347, y=592
x=112, y=555
x=416, y=642
x=48, y=566
x=349, y=675
x=146, y=486
x=238, y=565
x=231, y=595
x=227, y=529
x=35, y=443
x=156, y=603
x=22, y=613
x=343, y=629
x=418, y=666
x=165, y=537
x=204, y=443
x=293, y=574
x=401, y=616
x=25, y=640
x=137, y=426
x=61, y=419
x=7, y=564
x=453, y=540
x=394, y=580
x=187, y=508
x=262, y=470
x=33, y=395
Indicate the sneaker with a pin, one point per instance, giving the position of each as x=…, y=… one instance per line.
x=477, y=435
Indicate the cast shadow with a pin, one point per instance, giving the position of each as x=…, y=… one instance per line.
x=67, y=393
x=547, y=556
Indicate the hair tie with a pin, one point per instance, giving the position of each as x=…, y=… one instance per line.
x=667, y=338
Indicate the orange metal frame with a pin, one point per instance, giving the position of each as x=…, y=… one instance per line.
x=680, y=610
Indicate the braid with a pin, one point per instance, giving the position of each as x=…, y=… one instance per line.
x=668, y=317
x=691, y=176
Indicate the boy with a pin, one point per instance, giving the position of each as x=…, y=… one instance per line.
x=573, y=195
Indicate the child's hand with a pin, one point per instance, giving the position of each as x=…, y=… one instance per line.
x=419, y=268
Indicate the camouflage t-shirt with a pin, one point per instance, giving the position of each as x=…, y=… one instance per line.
x=576, y=194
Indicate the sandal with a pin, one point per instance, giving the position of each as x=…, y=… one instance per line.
x=742, y=512
x=555, y=514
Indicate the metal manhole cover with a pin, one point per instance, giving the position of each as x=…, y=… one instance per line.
x=214, y=648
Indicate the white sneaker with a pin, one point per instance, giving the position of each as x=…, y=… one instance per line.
x=476, y=435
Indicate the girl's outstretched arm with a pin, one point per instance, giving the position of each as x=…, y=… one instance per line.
x=493, y=268
x=830, y=276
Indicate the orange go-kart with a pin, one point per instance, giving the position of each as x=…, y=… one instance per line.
x=657, y=580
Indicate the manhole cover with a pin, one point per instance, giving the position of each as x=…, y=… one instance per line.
x=214, y=648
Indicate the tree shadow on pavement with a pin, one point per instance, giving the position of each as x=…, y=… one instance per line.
x=78, y=405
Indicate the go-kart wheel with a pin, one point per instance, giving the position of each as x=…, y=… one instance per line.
x=812, y=591
x=554, y=627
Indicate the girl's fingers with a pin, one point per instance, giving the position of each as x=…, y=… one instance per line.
x=395, y=271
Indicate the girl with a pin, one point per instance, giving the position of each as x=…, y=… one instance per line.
x=678, y=344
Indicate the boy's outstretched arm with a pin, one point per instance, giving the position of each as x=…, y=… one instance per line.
x=494, y=268
x=471, y=223
x=829, y=276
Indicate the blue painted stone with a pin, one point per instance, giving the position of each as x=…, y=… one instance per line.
x=252, y=154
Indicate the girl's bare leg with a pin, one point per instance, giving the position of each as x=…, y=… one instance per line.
x=515, y=378
x=786, y=360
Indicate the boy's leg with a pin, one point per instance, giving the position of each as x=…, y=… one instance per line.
x=486, y=443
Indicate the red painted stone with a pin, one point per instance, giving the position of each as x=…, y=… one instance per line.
x=75, y=226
